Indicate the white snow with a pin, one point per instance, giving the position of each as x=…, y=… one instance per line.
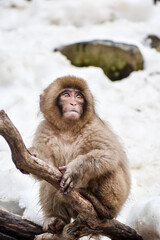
x=29, y=31
x=144, y=216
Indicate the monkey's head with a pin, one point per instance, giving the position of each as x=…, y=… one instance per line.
x=67, y=102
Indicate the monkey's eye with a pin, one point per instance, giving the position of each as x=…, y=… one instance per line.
x=79, y=95
x=66, y=94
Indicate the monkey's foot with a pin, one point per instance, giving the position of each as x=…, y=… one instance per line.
x=44, y=236
x=53, y=225
x=95, y=237
x=47, y=236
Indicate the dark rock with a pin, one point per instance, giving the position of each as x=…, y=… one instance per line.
x=117, y=60
x=155, y=1
x=153, y=41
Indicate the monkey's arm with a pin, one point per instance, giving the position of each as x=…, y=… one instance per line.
x=95, y=163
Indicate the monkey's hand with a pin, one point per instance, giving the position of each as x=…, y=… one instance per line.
x=69, y=178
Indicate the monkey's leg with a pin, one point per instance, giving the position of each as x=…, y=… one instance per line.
x=56, y=211
x=60, y=215
x=100, y=209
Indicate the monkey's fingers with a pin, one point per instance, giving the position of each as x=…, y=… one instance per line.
x=62, y=168
x=23, y=171
x=66, y=184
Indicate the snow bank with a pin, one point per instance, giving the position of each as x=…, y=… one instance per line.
x=144, y=216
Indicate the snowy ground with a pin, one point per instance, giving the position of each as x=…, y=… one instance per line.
x=29, y=31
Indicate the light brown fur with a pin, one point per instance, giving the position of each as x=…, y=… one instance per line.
x=94, y=157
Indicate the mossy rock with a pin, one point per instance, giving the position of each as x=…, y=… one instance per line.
x=117, y=60
x=153, y=41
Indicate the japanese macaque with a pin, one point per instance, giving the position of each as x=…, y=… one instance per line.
x=74, y=139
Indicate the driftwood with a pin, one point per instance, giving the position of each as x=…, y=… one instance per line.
x=92, y=217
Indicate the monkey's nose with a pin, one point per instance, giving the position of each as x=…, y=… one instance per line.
x=73, y=103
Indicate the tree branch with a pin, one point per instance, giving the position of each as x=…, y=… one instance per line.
x=89, y=220
x=13, y=226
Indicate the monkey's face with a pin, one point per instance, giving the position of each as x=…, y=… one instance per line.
x=71, y=102
x=67, y=103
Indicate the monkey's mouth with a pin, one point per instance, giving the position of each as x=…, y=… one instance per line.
x=70, y=111
x=72, y=114
x=74, y=111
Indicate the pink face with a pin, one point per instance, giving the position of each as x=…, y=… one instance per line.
x=71, y=101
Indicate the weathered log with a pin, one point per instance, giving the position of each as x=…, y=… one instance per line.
x=89, y=220
x=12, y=226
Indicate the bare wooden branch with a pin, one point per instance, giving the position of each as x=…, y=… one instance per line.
x=23, y=160
x=6, y=237
x=89, y=221
x=12, y=226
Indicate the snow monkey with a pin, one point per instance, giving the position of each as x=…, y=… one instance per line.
x=74, y=139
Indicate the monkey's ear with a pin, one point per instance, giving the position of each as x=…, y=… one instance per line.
x=42, y=102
